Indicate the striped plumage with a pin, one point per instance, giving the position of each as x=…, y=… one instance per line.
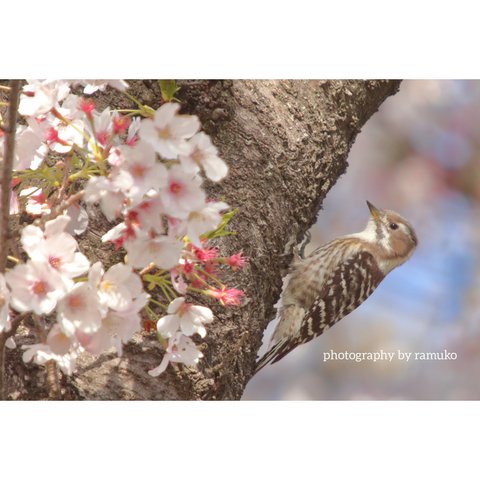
x=336, y=278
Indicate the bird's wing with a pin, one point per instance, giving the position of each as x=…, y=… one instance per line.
x=348, y=286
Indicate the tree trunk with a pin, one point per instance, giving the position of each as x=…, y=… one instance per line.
x=286, y=143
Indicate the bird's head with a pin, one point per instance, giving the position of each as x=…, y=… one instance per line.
x=394, y=236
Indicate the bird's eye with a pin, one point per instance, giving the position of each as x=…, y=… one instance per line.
x=393, y=226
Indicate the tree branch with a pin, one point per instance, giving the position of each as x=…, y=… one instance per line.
x=6, y=180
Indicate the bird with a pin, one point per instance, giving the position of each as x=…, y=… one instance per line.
x=336, y=278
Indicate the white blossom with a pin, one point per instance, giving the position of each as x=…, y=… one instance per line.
x=103, y=127
x=205, y=155
x=116, y=288
x=204, y=220
x=149, y=213
x=168, y=132
x=30, y=150
x=36, y=204
x=59, y=347
x=56, y=226
x=161, y=250
x=115, y=233
x=79, y=219
x=186, y=317
x=182, y=193
x=91, y=86
x=133, y=131
x=38, y=97
x=117, y=327
x=109, y=192
x=140, y=162
x=58, y=250
x=79, y=309
x=181, y=349
x=37, y=287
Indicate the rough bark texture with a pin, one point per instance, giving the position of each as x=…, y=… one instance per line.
x=286, y=143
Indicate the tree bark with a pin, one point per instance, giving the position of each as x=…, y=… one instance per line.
x=286, y=143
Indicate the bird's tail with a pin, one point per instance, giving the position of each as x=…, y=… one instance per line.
x=274, y=354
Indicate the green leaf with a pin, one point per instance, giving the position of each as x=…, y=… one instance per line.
x=220, y=230
x=168, y=88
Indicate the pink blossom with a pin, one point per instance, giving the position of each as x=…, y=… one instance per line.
x=236, y=261
x=87, y=106
x=205, y=254
x=226, y=296
x=120, y=123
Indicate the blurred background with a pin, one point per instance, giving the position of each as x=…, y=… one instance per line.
x=420, y=156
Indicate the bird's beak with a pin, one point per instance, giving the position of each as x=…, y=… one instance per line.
x=373, y=211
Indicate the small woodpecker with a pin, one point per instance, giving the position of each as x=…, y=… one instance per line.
x=336, y=278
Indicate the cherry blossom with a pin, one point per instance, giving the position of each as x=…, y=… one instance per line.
x=91, y=86
x=102, y=127
x=132, y=134
x=117, y=288
x=226, y=296
x=204, y=220
x=30, y=150
x=117, y=328
x=148, y=213
x=59, y=347
x=161, y=250
x=181, y=349
x=146, y=173
x=109, y=192
x=236, y=261
x=182, y=193
x=37, y=287
x=186, y=317
x=61, y=137
x=58, y=250
x=79, y=309
x=39, y=97
x=37, y=204
x=79, y=219
x=204, y=154
x=168, y=132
